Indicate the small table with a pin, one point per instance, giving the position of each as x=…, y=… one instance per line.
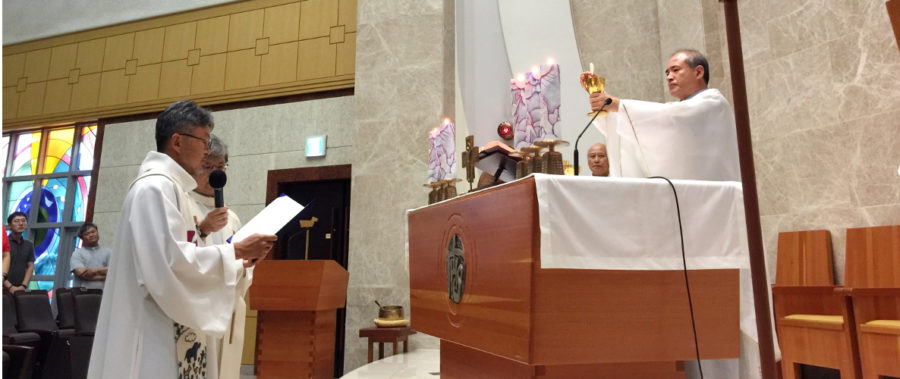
x=382, y=335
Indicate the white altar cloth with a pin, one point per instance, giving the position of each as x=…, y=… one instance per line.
x=632, y=224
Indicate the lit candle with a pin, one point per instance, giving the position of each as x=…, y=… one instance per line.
x=536, y=105
x=448, y=130
x=592, y=67
x=434, y=162
x=520, y=81
x=442, y=151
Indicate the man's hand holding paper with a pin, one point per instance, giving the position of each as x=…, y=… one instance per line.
x=256, y=238
x=254, y=248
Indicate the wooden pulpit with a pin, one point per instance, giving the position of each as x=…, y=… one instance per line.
x=502, y=315
x=297, y=302
x=893, y=8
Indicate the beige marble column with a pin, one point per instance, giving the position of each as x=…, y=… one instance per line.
x=404, y=86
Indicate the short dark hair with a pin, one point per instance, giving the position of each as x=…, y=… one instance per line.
x=695, y=58
x=180, y=117
x=14, y=215
x=84, y=228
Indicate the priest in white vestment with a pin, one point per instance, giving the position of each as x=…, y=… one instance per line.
x=216, y=226
x=166, y=298
x=693, y=138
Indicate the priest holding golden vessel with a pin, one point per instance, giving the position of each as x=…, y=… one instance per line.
x=693, y=138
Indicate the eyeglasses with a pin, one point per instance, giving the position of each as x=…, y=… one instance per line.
x=205, y=141
x=211, y=167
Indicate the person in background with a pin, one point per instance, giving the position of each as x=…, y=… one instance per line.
x=216, y=226
x=21, y=255
x=597, y=159
x=5, y=253
x=90, y=262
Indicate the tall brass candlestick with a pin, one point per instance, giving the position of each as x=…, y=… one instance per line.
x=553, y=162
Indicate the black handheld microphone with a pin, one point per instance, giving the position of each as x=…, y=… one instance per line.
x=217, y=180
x=605, y=103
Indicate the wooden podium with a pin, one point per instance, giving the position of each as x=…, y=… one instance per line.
x=297, y=303
x=518, y=320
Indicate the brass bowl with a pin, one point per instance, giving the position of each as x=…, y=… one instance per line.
x=391, y=312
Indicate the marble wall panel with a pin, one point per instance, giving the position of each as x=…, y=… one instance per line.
x=822, y=92
x=681, y=26
x=876, y=159
x=128, y=142
x=106, y=225
x=810, y=23
x=883, y=214
x=621, y=38
x=112, y=185
x=774, y=190
x=400, y=92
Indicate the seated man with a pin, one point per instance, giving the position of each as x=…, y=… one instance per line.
x=89, y=263
x=598, y=161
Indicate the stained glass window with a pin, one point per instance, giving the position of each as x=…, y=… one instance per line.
x=86, y=151
x=46, y=248
x=28, y=146
x=82, y=187
x=49, y=178
x=5, y=153
x=58, y=157
x=19, y=195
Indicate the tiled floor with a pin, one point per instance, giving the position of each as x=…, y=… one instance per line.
x=420, y=363
x=247, y=372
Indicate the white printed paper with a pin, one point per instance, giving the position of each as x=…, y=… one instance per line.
x=271, y=219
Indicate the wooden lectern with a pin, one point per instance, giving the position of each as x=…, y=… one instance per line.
x=297, y=303
x=516, y=319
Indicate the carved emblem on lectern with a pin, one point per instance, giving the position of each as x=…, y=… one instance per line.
x=456, y=269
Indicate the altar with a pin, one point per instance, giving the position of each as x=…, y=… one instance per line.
x=553, y=274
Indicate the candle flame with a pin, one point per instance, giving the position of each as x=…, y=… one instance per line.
x=535, y=71
x=550, y=61
x=446, y=120
x=520, y=80
x=434, y=132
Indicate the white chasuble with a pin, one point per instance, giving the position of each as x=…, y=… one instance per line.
x=231, y=346
x=690, y=139
x=159, y=277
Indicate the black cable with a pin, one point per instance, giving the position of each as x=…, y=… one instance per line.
x=687, y=285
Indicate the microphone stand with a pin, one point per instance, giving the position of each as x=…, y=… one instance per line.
x=605, y=103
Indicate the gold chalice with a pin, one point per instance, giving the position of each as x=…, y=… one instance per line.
x=593, y=83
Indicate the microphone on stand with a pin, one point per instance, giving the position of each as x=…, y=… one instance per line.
x=217, y=180
x=605, y=103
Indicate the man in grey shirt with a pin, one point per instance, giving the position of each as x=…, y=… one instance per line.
x=89, y=263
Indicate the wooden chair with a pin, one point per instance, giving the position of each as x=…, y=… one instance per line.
x=813, y=318
x=873, y=279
